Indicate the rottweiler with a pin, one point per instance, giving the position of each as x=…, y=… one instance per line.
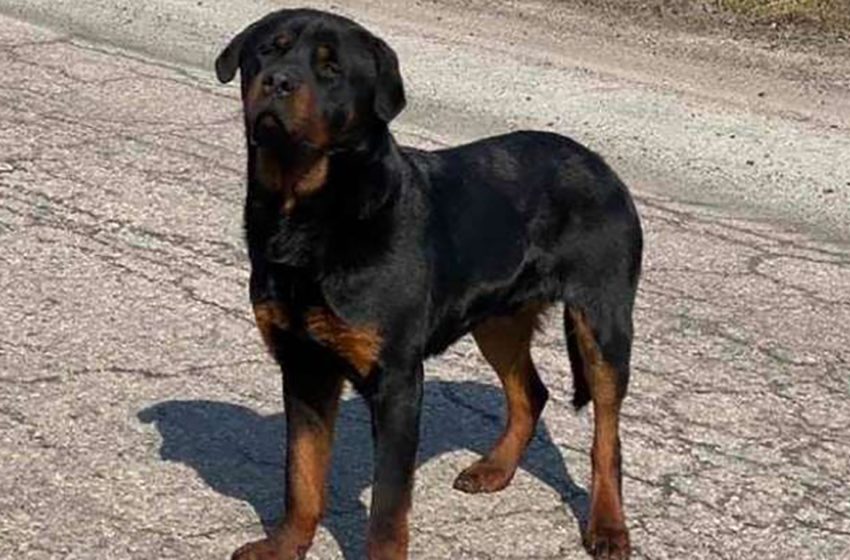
x=367, y=257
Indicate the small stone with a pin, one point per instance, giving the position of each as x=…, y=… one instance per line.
x=828, y=190
x=750, y=162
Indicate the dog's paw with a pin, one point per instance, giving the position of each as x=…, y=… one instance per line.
x=608, y=543
x=267, y=549
x=484, y=476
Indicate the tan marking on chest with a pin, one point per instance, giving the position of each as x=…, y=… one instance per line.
x=270, y=316
x=313, y=179
x=360, y=345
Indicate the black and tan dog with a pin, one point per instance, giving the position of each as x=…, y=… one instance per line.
x=367, y=257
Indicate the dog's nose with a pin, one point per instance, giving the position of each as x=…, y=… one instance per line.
x=279, y=83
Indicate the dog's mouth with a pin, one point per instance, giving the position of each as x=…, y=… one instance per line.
x=267, y=128
x=268, y=120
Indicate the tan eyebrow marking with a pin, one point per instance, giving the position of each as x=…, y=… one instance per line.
x=282, y=41
x=324, y=53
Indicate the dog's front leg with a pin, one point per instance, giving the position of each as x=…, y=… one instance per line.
x=395, y=408
x=312, y=388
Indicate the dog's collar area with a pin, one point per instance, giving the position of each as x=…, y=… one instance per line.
x=354, y=179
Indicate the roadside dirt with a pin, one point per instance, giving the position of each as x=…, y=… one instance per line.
x=821, y=26
x=793, y=65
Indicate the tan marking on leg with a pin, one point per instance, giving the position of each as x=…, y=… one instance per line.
x=359, y=345
x=505, y=343
x=270, y=316
x=389, y=533
x=311, y=414
x=390, y=541
x=310, y=451
x=309, y=441
x=607, y=528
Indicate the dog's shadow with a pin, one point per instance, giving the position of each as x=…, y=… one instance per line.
x=240, y=453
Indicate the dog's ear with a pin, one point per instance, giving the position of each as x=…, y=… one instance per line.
x=228, y=60
x=389, y=89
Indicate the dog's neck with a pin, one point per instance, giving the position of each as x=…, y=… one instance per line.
x=366, y=179
x=358, y=179
x=288, y=174
x=300, y=201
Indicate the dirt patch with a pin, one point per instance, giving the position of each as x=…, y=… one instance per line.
x=820, y=25
x=817, y=15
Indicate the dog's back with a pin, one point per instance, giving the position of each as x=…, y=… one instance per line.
x=524, y=217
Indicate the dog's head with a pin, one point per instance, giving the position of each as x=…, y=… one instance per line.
x=312, y=78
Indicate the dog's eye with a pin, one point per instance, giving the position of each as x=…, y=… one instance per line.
x=329, y=69
x=282, y=43
x=326, y=64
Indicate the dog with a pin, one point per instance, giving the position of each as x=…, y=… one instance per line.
x=367, y=257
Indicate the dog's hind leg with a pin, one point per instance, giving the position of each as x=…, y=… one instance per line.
x=599, y=342
x=505, y=343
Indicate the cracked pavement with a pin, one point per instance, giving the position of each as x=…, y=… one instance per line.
x=140, y=417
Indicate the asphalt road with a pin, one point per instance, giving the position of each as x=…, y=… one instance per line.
x=140, y=418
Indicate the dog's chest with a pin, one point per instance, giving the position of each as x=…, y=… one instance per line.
x=359, y=345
